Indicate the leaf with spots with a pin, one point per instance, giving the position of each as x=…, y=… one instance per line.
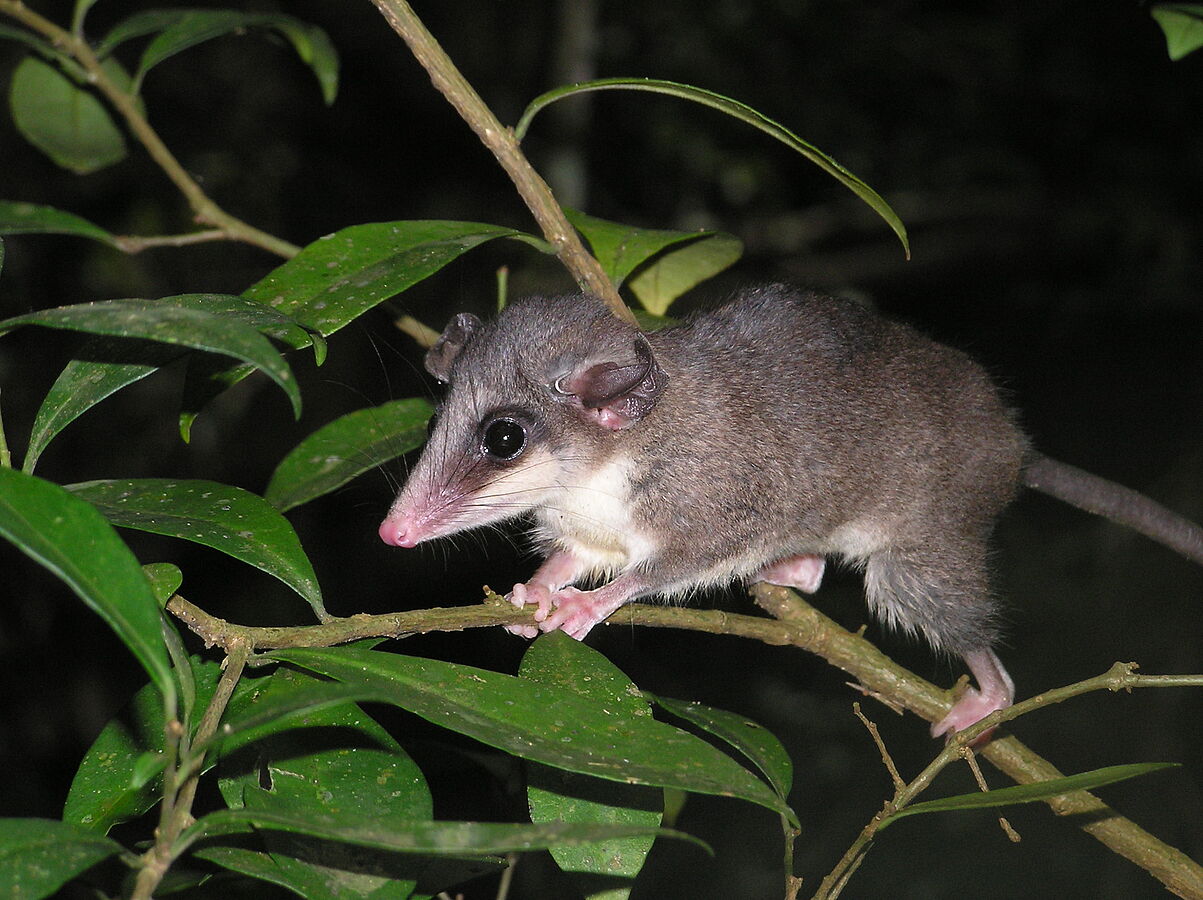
x=544, y=723
x=38, y=856
x=338, y=278
x=343, y=762
x=230, y=519
x=553, y=795
x=346, y=447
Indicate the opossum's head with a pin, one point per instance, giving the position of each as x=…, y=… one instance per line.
x=535, y=398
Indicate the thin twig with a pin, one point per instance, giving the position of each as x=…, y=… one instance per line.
x=504, y=146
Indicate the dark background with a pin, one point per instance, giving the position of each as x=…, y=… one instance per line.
x=1047, y=160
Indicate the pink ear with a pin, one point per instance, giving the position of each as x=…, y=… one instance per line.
x=618, y=396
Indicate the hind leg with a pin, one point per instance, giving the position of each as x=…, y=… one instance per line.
x=945, y=597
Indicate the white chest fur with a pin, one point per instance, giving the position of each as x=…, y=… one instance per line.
x=590, y=518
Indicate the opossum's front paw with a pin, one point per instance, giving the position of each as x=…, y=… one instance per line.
x=527, y=594
x=576, y=612
x=973, y=706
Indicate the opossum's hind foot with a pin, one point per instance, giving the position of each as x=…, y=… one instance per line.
x=995, y=691
x=803, y=572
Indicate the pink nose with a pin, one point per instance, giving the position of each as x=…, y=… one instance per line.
x=397, y=533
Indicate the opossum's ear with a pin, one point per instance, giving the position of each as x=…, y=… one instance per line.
x=440, y=357
x=617, y=395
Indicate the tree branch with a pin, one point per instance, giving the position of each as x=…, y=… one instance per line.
x=504, y=146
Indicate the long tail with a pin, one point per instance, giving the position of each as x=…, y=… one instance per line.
x=1115, y=502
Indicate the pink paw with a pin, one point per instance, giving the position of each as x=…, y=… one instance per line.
x=804, y=572
x=576, y=612
x=970, y=709
x=525, y=594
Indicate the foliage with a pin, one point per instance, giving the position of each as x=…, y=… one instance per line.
x=316, y=796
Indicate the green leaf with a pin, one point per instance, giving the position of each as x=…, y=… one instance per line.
x=230, y=519
x=1029, y=793
x=38, y=856
x=348, y=446
x=90, y=378
x=165, y=579
x=558, y=662
x=543, y=724
x=72, y=540
x=30, y=218
x=733, y=108
x=427, y=838
x=338, y=278
x=64, y=120
x=170, y=323
x=180, y=29
x=105, y=790
x=622, y=248
x=748, y=737
x=677, y=270
x=1182, y=24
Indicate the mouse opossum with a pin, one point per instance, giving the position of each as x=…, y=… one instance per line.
x=750, y=442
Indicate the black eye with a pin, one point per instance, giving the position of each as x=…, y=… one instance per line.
x=504, y=439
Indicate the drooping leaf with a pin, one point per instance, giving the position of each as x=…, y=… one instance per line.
x=71, y=539
x=542, y=724
x=230, y=519
x=170, y=323
x=105, y=365
x=558, y=662
x=746, y=736
x=31, y=218
x=683, y=267
x=733, y=108
x=1030, y=793
x=90, y=378
x=1182, y=24
x=177, y=30
x=63, y=119
x=38, y=856
x=348, y=446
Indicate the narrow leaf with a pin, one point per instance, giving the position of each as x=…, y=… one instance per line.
x=71, y=539
x=94, y=375
x=1029, y=793
x=31, y=218
x=162, y=320
x=230, y=519
x=430, y=838
x=38, y=856
x=63, y=119
x=348, y=446
x=749, y=738
x=543, y=724
x=733, y=108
